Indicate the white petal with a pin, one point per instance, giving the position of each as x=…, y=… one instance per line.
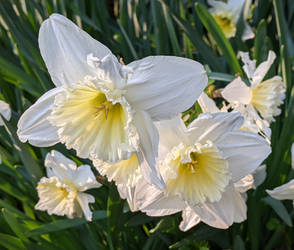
x=237, y=91
x=65, y=47
x=259, y=175
x=262, y=69
x=165, y=86
x=148, y=135
x=33, y=126
x=249, y=65
x=128, y=192
x=207, y=104
x=244, y=184
x=84, y=178
x=154, y=202
x=213, y=126
x=171, y=132
x=84, y=200
x=247, y=33
x=5, y=111
x=231, y=208
x=190, y=219
x=244, y=152
x=60, y=166
x=284, y=192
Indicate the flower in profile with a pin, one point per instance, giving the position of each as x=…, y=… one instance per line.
x=206, y=167
x=62, y=192
x=100, y=108
x=252, y=121
x=264, y=96
x=226, y=14
x=286, y=191
x=5, y=112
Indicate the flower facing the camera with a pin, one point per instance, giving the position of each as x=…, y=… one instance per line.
x=206, y=167
x=226, y=14
x=62, y=191
x=100, y=108
x=264, y=96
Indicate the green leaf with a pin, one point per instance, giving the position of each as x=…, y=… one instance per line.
x=11, y=242
x=280, y=209
x=59, y=225
x=219, y=37
x=221, y=76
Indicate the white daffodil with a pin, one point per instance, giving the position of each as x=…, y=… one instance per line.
x=62, y=193
x=100, y=108
x=252, y=125
x=252, y=121
x=5, y=112
x=264, y=96
x=202, y=166
x=286, y=191
x=226, y=14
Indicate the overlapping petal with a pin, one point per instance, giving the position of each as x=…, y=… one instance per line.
x=34, y=126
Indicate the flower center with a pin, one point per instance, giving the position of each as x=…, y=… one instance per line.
x=225, y=23
x=196, y=173
x=56, y=197
x=267, y=96
x=95, y=121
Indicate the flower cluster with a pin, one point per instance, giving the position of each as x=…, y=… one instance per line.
x=126, y=120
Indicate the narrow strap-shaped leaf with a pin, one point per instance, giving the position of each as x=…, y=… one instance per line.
x=219, y=37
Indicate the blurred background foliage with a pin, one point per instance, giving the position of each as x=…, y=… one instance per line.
x=133, y=29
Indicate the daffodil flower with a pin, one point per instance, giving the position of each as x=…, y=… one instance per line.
x=100, y=108
x=252, y=121
x=206, y=168
x=286, y=191
x=62, y=192
x=264, y=96
x=227, y=14
x=5, y=112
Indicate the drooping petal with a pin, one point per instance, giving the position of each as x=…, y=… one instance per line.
x=231, y=208
x=5, y=111
x=237, y=91
x=190, y=219
x=213, y=126
x=207, y=104
x=283, y=192
x=244, y=184
x=84, y=200
x=84, y=179
x=65, y=47
x=165, y=86
x=154, y=202
x=259, y=175
x=240, y=147
x=262, y=69
x=33, y=126
x=149, y=138
x=128, y=192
